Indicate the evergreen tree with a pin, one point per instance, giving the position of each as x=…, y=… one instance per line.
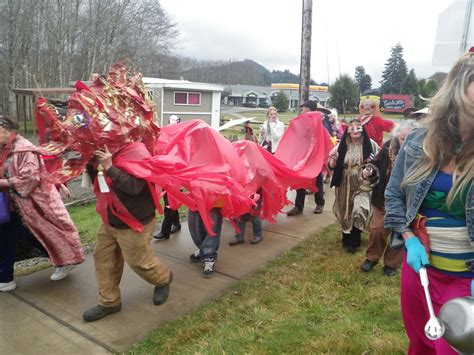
x=359, y=73
x=395, y=71
x=365, y=83
x=427, y=89
x=280, y=101
x=344, y=94
x=410, y=85
x=363, y=80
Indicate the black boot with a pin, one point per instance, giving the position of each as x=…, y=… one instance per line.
x=346, y=237
x=99, y=312
x=356, y=237
x=161, y=293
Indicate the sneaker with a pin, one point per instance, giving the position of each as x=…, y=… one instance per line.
x=175, y=229
x=161, y=293
x=161, y=236
x=389, y=271
x=236, y=241
x=7, y=286
x=195, y=257
x=209, y=268
x=99, y=312
x=61, y=272
x=294, y=211
x=368, y=265
x=256, y=239
x=319, y=209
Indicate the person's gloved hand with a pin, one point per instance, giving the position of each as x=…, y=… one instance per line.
x=416, y=254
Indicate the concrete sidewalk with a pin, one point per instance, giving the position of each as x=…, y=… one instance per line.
x=45, y=317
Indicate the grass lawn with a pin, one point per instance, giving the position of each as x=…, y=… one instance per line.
x=87, y=220
x=312, y=300
x=285, y=117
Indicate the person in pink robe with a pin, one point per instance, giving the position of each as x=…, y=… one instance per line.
x=36, y=209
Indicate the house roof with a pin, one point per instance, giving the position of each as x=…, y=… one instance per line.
x=180, y=84
x=43, y=91
x=266, y=91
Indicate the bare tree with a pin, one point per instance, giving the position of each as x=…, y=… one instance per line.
x=51, y=42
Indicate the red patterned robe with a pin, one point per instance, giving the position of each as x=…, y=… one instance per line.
x=40, y=206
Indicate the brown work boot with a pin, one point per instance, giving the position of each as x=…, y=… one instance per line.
x=319, y=209
x=236, y=241
x=294, y=211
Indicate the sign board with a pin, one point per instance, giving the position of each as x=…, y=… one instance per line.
x=455, y=32
x=395, y=103
x=290, y=86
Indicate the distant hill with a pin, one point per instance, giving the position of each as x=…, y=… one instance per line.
x=439, y=78
x=246, y=72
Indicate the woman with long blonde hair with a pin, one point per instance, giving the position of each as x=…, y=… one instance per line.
x=429, y=203
x=271, y=130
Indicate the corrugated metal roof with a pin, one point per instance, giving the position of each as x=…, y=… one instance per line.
x=181, y=84
x=265, y=91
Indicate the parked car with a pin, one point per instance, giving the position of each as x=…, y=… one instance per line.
x=263, y=104
x=250, y=104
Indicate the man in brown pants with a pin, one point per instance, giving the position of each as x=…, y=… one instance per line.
x=378, y=247
x=392, y=259
x=377, y=233
x=117, y=241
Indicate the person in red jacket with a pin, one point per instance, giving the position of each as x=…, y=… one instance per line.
x=374, y=124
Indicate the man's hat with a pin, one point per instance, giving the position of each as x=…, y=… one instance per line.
x=323, y=109
x=309, y=104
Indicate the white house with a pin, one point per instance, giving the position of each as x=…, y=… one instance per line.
x=188, y=100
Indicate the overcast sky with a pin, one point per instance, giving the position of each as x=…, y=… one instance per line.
x=346, y=33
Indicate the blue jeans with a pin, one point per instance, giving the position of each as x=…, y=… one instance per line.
x=256, y=225
x=207, y=245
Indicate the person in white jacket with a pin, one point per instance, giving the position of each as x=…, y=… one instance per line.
x=271, y=130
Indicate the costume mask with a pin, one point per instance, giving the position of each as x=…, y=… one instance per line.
x=354, y=128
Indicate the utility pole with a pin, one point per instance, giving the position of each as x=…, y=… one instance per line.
x=305, y=62
x=467, y=26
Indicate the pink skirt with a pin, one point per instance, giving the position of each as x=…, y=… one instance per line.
x=415, y=313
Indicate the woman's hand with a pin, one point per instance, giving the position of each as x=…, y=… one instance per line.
x=5, y=183
x=104, y=158
x=333, y=155
x=367, y=172
x=67, y=193
x=416, y=253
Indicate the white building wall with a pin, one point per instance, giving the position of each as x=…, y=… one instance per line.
x=216, y=109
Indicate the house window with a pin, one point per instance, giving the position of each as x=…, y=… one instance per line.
x=187, y=98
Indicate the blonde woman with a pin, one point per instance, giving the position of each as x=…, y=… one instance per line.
x=430, y=203
x=271, y=130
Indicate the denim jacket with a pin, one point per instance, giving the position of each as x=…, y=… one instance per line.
x=402, y=203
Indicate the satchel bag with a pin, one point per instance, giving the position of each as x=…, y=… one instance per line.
x=4, y=207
